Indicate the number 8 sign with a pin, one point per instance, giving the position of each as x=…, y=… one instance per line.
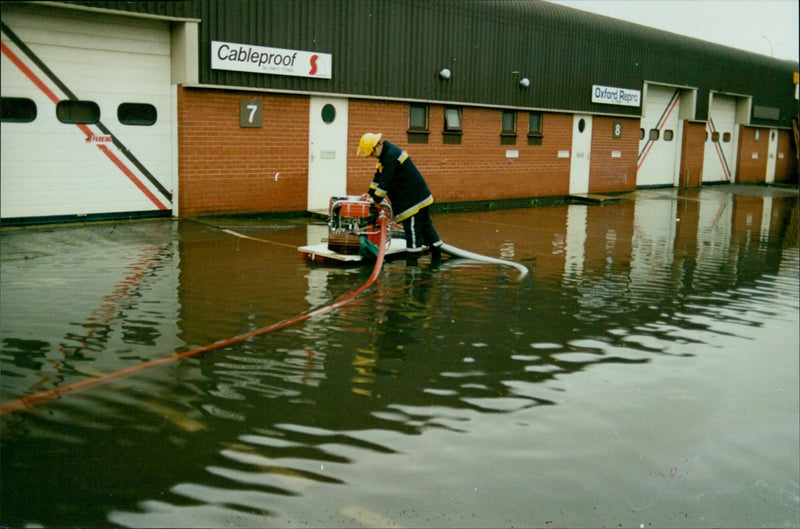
x=617, y=132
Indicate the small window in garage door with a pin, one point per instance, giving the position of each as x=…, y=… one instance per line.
x=137, y=114
x=18, y=110
x=78, y=112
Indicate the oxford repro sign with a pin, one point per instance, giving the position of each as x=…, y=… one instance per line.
x=275, y=61
x=609, y=95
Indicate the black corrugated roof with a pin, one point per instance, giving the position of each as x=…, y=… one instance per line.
x=394, y=48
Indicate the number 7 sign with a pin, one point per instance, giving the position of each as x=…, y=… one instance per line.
x=251, y=113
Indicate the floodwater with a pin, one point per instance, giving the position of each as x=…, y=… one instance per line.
x=644, y=374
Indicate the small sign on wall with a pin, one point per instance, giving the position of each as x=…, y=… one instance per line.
x=616, y=132
x=238, y=57
x=251, y=113
x=611, y=95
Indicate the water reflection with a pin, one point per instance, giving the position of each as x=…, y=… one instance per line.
x=446, y=395
x=70, y=297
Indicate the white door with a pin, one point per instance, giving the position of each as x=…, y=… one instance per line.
x=327, y=151
x=719, y=158
x=659, y=150
x=581, y=151
x=772, y=153
x=107, y=161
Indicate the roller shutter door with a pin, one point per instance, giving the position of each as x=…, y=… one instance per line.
x=719, y=156
x=71, y=65
x=659, y=141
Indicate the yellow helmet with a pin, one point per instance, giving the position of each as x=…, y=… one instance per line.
x=367, y=143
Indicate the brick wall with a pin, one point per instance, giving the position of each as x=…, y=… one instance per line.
x=751, y=162
x=692, y=150
x=752, y=169
x=478, y=168
x=613, y=160
x=224, y=168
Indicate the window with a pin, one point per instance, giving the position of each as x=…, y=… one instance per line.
x=137, y=114
x=418, y=123
x=452, y=119
x=726, y=137
x=641, y=134
x=535, y=124
x=78, y=112
x=509, y=122
x=654, y=134
x=18, y=110
x=452, y=125
x=418, y=118
x=328, y=114
x=508, y=128
x=668, y=135
x=535, y=128
x=715, y=137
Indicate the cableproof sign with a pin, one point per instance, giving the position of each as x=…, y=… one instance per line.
x=610, y=95
x=275, y=61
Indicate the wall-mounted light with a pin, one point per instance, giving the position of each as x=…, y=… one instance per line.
x=524, y=82
x=444, y=73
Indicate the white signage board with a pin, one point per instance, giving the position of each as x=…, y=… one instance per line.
x=275, y=61
x=609, y=95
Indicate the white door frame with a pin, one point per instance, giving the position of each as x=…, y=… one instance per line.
x=327, y=150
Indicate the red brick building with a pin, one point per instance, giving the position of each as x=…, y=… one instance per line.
x=124, y=109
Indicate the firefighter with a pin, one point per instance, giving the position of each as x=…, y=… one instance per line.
x=398, y=179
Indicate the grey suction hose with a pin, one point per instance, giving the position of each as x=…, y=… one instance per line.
x=458, y=252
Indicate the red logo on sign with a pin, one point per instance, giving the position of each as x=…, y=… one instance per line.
x=313, y=62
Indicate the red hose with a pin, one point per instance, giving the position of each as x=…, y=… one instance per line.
x=24, y=403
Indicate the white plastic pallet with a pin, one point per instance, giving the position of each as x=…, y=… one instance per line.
x=320, y=252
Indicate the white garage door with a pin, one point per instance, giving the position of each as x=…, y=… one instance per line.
x=719, y=156
x=87, y=121
x=659, y=141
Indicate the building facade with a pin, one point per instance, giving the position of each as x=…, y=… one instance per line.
x=114, y=109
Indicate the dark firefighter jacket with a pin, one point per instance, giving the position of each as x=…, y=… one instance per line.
x=398, y=178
